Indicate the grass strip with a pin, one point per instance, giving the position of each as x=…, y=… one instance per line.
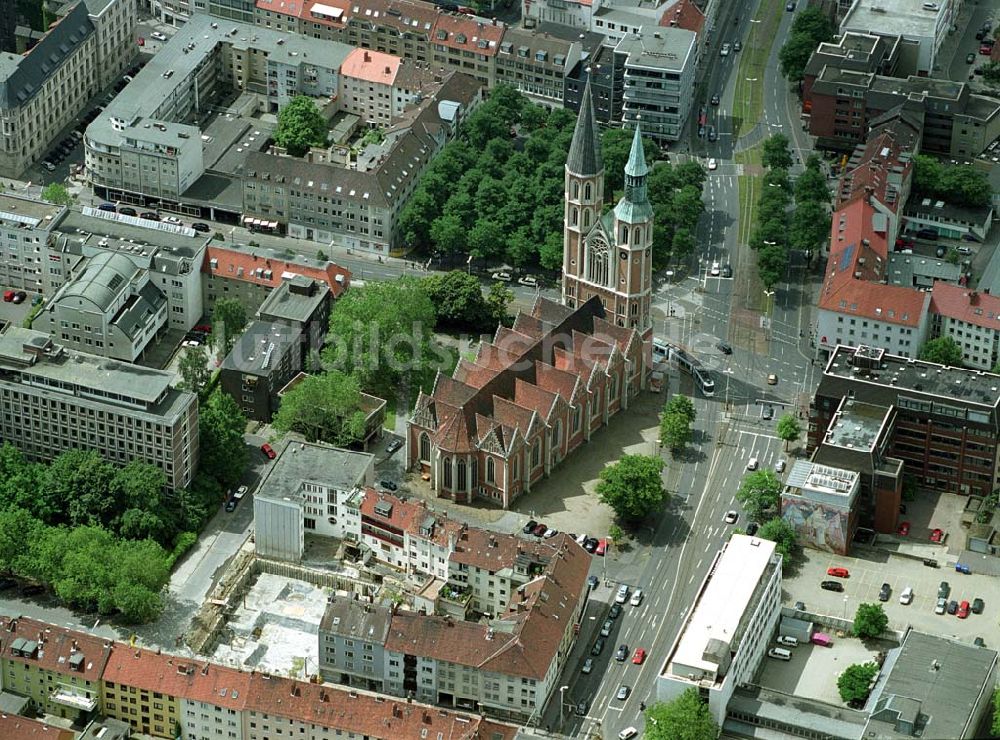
x=748, y=101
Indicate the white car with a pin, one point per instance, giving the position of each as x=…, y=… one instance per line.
x=528, y=281
x=622, y=596
x=636, y=597
x=502, y=276
x=716, y=269
x=172, y=220
x=49, y=166
x=752, y=463
x=190, y=343
x=158, y=36
x=724, y=51
x=240, y=492
x=712, y=164
x=732, y=517
x=779, y=467
x=942, y=604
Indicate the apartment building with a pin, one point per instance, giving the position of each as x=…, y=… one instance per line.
x=169, y=256
x=25, y=230
x=307, y=490
x=536, y=63
x=56, y=400
x=862, y=52
x=818, y=502
x=58, y=670
x=303, y=304
x=660, y=65
x=115, y=23
x=378, y=87
x=972, y=319
x=949, y=221
x=728, y=627
x=352, y=637
x=946, y=418
x=250, y=274
x=358, y=206
x=260, y=364
x=110, y=308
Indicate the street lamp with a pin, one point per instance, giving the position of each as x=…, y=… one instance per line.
x=845, y=606
x=562, y=704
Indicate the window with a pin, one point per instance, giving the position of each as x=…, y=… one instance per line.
x=462, y=476
x=491, y=472
x=425, y=447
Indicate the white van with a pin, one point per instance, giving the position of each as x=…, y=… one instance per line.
x=788, y=641
x=779, y=653
x=907, y=596
x=636, y=597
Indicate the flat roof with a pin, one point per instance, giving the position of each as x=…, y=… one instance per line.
x=892, y=375
x=664, y=48
x=300, y=462
x=806, y=475
x=906, y=18
x=915, y=84
x=260, y=347
x=856, y=425
x=227, y=139
x=92, y=230
x=27, y=212
x=294, y=305
x=722, y=603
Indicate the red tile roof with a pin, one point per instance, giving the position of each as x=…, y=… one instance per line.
x=371, y=66
x=235, y=264
x=16, y=727
x=557, y=381
x=404, y=515
x=464, y=32
x=177, y=677
x=57, y=647
x=407, y=17
x=882, y=168
x=684, y=14
x=530, y=396
x=962, y=304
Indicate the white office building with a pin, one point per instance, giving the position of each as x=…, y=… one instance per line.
x=726, y=633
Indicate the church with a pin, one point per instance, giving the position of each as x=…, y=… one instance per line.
x=538, y=390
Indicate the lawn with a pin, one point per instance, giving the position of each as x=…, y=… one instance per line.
x=749, y=193
x=748, y=102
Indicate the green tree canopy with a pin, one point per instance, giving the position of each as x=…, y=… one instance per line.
x=458, y=298
x=300, y=126
x=760, y=494
x=810, y=28
x=221, y=424
x=943, y=351
x=57, y=193
x=381, y=334
x=229, y=319
x=776, y=153
x=811, y=184
x=685, y=718
x=194, y=370
x=788, y=428
x=810, y=226
x=781, y=533
x=633, y=487
x=679, y=404
x=958, y=186
x=870, y=620
x=675, y=431
x=995, y=727
x=498, y=302
x=616, y=143
x=853, y=684
x=772, y=262
x=324, y=408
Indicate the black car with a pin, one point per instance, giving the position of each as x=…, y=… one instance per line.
x=727, y=271
x=621, y=653
x=582, y=707
x=593, y=582
x=394, y=445
x=231, y=505
x=952, y=606
x=978, y=642
x=7, y=584
x=126, y=211
x=388, y=485
x=590, y=545
x=529, y=527
x=598, y=646
x=725, y=348
x=199, y=226
x=150, y=215
x=978, y=606
x=883, y=593
x=752, y=529
x=768, y=413
x=712, y=135
x=616, y=609
x=715, y=99
x=832, y=586
x=701, y=131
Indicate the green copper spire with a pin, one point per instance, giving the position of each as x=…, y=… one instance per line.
x=636, y=166
x=634, y=207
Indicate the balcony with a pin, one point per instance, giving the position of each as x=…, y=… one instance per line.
x=70, y=696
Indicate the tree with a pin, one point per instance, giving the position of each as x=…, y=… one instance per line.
x=991, y=72
x=685, y=718
x=381, y=334
x=995, y=727
x=772, y=262
x=810, y=28
x=616, y=534
x=760, y=494
x=229, y=318
x=943, y=351
x=675, y=431
x=221, y=424
x=781, y=533
x=498, y=302
x=788, y=429
x=854, y=683
x=870, y=621
x=682, y=405
x=300, y=126
x=57, y=193
x=810, y=226
x=811, y=184
x=633, y=487
x=194, y=370
x=324, y=408
x=458, y=298
x=616, y=144
x=775, y=153
x=960, y=186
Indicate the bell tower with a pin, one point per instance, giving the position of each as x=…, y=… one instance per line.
x=583, y=198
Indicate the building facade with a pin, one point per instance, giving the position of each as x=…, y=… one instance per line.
x=260, y=364
x=56, y=400
x=25, y=230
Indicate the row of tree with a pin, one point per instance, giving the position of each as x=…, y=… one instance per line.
x=675, y=423
x=810, y=28
x=777, y=229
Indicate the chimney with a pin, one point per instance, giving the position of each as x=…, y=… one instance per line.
x=368, y=57
x=388, y=70
x=973, y=298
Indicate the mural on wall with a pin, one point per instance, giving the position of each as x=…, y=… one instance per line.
x=817, y=525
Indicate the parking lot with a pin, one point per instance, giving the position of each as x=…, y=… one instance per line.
x=867, y=575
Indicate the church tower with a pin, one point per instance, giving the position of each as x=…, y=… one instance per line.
x=607, y=255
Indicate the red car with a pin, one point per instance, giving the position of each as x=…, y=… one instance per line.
x=207, y=328
x=838, y=572
x=963, y=610
x=602, y=547
x=268, y=450
x=639, y=657
x=8, y=296
x=986, y=49
x=937, y=535
x=904, y=529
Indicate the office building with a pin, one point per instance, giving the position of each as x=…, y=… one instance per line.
x=44, y=90
x=660, y=65
x=728, y=627
x=818, y=502
x=260, y=364
x=25, y=229
x=59, y=670
x=56, y=400
x=949, y=221
x=300, y=303
x=306, y=491
x=536, y=63
x=926, y=24
x=945, y=417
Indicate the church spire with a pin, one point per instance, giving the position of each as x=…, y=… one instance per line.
x=585, y=150
x=636, y=166
x=634, y=207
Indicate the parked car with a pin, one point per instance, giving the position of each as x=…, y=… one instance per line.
x=831, y=586
x=621, y=653
x=963, y=610
x=49, y=166
x=540, y=529
x=779, y=654
x=615, y=611
x=150, y=215
x=884, y=592
x=731, y=517
x=715, y=269
x=550, y=533
x=590, y=544
x=528, y=281
x=953, y=607
x=606, y=628
x=602, y=547
x=752, y=529
x=725, y=348
x=727, y=271
x=588, y=665
x=126, y=211
x=158, y=36
x=737, y=46
x=636, y=599
x=8, y=296
x=529, y=528
x=768, y=413
x=790, y=6
x=907, y=596
x=393, y=446
x=787, y=641
x=970, y=58
x=628, y=733
x=941, y=606
x=937, y=535
x=231, y=505
x=724, y=51
x=977, y=606
x=978, y=642
x=753, y=463
x=268, y=450
x=904, y=529
x=639, y=657
x=598, y=646
x=202, y=227
x=388, y=485
x=779, y=466
x=944, y=590
x=580, y=539
x=19, y=296
x=622, y=596
x=838, y=572
x=772, y=379
x=582, y=706
x=502, y=276
x=593, y=581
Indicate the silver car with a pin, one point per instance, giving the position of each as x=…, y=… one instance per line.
x=588, y=665
x=623, y=692
x=622, y=596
